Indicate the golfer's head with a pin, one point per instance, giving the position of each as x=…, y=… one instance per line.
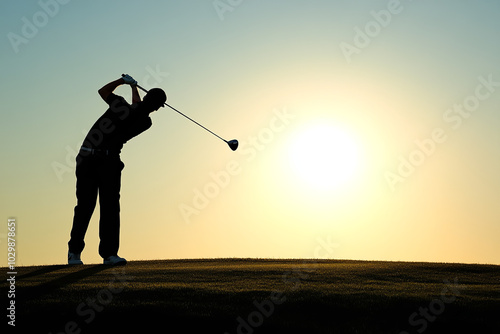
x=155, y=98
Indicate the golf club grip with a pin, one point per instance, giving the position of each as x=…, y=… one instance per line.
x=137, y=85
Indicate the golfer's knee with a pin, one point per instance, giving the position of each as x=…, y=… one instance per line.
x=112, y=205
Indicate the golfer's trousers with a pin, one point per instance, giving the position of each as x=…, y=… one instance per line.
x=97, y=175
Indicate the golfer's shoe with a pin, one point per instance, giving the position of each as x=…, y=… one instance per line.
x=74, y=259
x=115, y=260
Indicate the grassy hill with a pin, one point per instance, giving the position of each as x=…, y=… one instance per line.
x=259, y=296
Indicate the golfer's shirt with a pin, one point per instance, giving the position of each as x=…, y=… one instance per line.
x=120, y=123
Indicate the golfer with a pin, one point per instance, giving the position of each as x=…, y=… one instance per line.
x=98, y=167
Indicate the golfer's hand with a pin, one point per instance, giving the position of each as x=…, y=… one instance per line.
x=129, y=80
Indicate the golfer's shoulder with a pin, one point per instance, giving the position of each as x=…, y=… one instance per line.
x=140, y=116
x=140, y=124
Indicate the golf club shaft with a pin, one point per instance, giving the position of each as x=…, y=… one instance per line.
x=192, y=120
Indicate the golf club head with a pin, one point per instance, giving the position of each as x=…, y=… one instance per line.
x=233, y=144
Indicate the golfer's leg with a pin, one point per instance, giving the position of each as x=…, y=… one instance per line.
x=86, y=194
x=109, y=201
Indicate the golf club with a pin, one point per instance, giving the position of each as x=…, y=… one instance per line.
x=233, y=144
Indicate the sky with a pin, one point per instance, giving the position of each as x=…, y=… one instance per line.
x=368, y=130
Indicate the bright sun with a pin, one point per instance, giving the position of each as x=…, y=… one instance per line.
x=325, y=157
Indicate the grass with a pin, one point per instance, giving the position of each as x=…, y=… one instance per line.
x=259, y=296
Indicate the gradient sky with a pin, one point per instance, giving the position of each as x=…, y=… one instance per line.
x=369, y=125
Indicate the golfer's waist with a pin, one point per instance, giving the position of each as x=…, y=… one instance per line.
x=99, y=151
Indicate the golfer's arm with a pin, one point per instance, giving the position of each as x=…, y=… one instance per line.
x=136, y=98
x=106, y=90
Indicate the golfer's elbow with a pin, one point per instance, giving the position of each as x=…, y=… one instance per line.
x=104, y=93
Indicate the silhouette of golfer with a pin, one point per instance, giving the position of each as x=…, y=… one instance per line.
x=98, y=169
